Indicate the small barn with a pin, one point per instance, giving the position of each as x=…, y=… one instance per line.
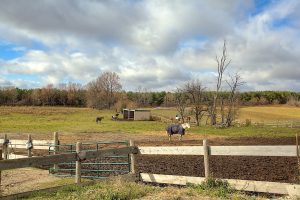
x=137, y=114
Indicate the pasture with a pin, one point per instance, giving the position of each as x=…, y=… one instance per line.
x=81, y=121
x=269, y=113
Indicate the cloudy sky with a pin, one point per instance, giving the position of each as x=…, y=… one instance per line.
x=154, y=44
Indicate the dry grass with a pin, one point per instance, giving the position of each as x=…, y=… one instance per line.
x=269, y=113
x=255, y=113
x=119, y=188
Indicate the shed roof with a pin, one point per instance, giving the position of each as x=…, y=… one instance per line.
x=137, y=110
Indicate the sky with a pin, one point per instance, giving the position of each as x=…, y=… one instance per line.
x=152, y=44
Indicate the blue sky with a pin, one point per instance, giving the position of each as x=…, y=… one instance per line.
x=155, y=45
x=10, y=51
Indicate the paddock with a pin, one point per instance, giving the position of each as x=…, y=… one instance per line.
x=259, y=165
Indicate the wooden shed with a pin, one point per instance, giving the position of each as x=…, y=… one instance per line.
x=137, y=114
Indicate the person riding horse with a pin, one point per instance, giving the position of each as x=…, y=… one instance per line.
x=177, y=129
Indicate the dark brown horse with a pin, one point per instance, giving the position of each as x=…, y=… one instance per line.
x=99, y=119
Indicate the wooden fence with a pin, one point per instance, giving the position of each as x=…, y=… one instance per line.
x=68, y=157
x=206, y=151
x=278, y=124
x=9, y=145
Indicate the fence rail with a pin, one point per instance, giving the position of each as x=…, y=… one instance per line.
x=22, y=144
x=245, y=185
x=61, y=158
x=29, y=145
x=282, y=150
x=287, y=124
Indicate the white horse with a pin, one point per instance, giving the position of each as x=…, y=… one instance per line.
x=177, y=129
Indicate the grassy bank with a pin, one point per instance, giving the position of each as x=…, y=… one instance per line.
x=118, y=189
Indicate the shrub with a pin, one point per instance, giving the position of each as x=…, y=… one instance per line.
x=248, y=122
x=293, y=102
x=214, y=187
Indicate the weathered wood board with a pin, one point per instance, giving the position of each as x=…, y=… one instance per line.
x=245, y=185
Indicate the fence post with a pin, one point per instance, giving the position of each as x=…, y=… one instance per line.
x=5, y=148
x=206, y=159
x=29, y=147
x=56, y=147
x=0, y=172
x=298, y=155
x=78, y=164
x=132, y=158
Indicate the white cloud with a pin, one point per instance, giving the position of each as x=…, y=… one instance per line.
x=153, y=44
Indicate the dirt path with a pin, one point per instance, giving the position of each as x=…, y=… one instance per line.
x=26, y=179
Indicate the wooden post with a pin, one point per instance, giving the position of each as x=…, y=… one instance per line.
x=0, y=172
x=5, y=148
x=132, y=158
x=78, y=164
x=56, y=147
x=298, y=155
x=206, y=159
x=29, y=143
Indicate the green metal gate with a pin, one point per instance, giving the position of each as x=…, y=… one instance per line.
x=99, y=168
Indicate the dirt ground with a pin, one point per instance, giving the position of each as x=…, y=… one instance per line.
x=25, y=179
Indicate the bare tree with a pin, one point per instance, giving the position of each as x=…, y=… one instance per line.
x=110, y=83
x=169, y=99
x=234, y=83
x=101, y=93
x=223, y=63
x=181, y=102
x=222, y=110
x=195, y=91
x=143, y=96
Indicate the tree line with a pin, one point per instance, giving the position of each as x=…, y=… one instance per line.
x=75, y=95
x=71, y=94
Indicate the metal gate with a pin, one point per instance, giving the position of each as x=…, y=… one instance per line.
x=99, y=168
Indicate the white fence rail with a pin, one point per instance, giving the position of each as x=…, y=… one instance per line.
x=282, y=150
x=21, y=144
x=245, y=185
x=10, y=145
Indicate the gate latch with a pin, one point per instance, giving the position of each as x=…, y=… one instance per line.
x=81, y=156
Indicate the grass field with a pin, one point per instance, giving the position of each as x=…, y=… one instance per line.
x=269, y=113
x=69, y=120
x=82, y=120
x=255, y=113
